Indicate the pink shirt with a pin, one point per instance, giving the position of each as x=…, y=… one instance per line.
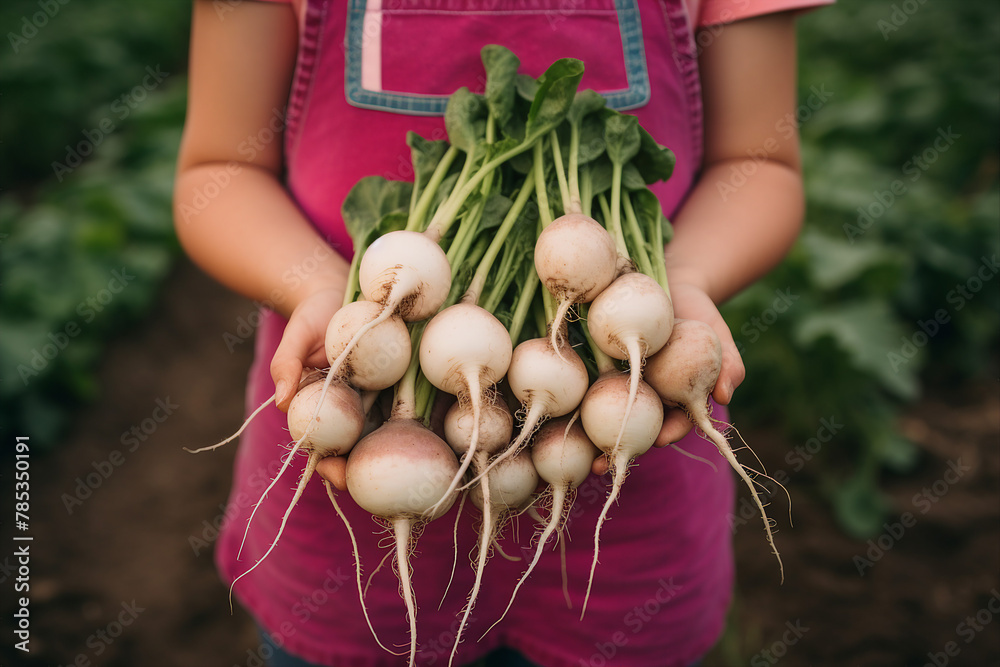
x=663, y=585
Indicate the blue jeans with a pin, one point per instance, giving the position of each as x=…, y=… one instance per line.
x=501, y=657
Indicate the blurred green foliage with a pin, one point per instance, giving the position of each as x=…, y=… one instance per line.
x=895, y=274
x=94, y=100
x=898, y=118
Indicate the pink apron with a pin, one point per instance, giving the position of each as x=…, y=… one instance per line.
x=366, y=75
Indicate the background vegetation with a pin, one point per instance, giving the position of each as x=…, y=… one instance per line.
x=892, y=288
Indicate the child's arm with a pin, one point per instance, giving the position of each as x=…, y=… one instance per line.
x=724, y=240
x=232, y=214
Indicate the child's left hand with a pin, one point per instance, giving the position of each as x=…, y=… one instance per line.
x=303, y=342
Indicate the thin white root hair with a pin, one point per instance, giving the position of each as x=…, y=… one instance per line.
x=534, y=419
x=454, y=560
x=238, y=433
x=284, y=466
x=306, y=476
x=694, y=456
x=620, y=468
x=635, y=361
x=485, y=539
x=357, y=565
x=722, y=445
x=381, y=564
x=504, y=554
x=555, y=326
x=558, y=496
x=476, y=396
x=724, y=432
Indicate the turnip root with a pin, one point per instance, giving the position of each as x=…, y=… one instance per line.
x=631, y=319
x=465, y=350
x=399, y=473
x=621, y=441
x=546, y=382
x=562, y=454
x=308, y=376
x=575, y=258
x=406, y=272
x=684, y=374
x=507, y=488
x=495, y=424
x=323, y=423
x=407, y=275
x=380, y=358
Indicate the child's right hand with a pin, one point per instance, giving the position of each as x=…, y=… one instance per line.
x=303, y=343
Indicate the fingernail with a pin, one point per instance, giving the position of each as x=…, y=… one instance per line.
x=727, y=392
x=280, y=391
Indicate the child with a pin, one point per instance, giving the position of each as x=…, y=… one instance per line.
x=290, y=104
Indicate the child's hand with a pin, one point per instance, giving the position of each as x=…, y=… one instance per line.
x=692, y=303
x=303, y=343
x=334, y=470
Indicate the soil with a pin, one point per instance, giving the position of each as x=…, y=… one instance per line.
x=121, y=568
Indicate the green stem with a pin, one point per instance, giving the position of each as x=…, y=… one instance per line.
x=615, y=221
x=445, y=216
x=523, y=307
x=353, y=277
x=560, y=171
x=604, y=363
x=542, y=318
x=575, y=200
x=496, y=245
x=405, y=404
x=639, y=246
x=544, y=212
x=586, y=193
x=661, y=257
x=466, y=233
x=419, y=212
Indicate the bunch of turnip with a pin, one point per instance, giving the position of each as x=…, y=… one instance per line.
x=523, y=273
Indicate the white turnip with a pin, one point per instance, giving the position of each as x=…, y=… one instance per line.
x=621, y=441
x=465, y=350
x=399, y=473
x=575, y=258
x=684, y=374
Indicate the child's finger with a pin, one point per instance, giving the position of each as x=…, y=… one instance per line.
x=334, y=470
x=676, y=425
